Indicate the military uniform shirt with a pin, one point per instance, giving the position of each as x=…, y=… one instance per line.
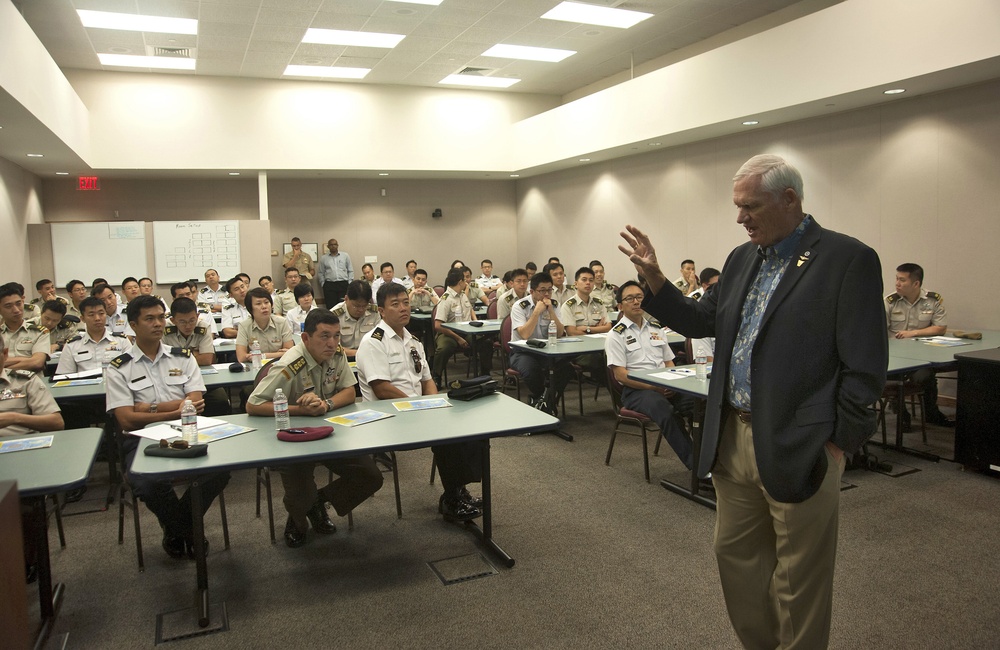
x=519, y=315
x=117, y=323
x=453, y=307
x=71, y=310
x=233, y=314
x=475, y=294
x=383, y=355
x=27, y=340
x=296, y=317
x=200, y=341
x=63, y=332
x=488, y=283
x=407, y=282
x=271, y=338
x=304, y=265
x=580, y=314
x=133, y=377
x=505, y=303
x=928, y=310
x=637, y=347
x=84, y=353
x=606, y=294
x=352, y=330
x=563, y=295
x=22, y=391
x=213, y=296
x=297, y=371
x=284, y=301
x=421, y=301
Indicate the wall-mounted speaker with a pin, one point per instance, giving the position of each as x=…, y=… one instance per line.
x=437, y=214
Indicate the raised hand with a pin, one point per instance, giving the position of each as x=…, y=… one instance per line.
x=640, y=252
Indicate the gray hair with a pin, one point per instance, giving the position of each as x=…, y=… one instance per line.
x=776, y=174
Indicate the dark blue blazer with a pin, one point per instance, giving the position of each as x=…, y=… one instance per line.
x=818, y=363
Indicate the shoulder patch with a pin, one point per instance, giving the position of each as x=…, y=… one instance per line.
x=75, y=338
x=619, y=328
x=120, y=359
x=933, y=295
x=29, y=325
x=30, y=307
x=597, y=300
x=26, y=374
x=204, y=290
x=524, y=303
x=555, y=303
x=378, y=333
x=170, y=329
x=338, y=311
x=571, y=301
x=372, y=309
x=296, y=366
x=180, y=352
x=200, y=329
x=65, y=325
x=509, y=297
x=118, y=334
x=891, y=298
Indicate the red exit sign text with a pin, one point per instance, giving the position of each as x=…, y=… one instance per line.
x=89, y=183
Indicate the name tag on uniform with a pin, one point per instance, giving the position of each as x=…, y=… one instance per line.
x=631, y=343
x=139, y=383
x=83, y=355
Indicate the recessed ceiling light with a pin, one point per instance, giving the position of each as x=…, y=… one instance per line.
x=480, y=82
x=585, y=160
x=420, y=2
x=358, y=39
x=326, y=72
x=36, y=155
x=383, y=173
x=515, y=176
x=528, y=53
x=135, y=61
x=654, y=144
x=62, y=173
x=577, y=12
x=750, y=122
x=137, y=23
x=894, y=91
x=234, y=173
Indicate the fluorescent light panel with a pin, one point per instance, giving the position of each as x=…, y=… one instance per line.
x=528, y=53
x=326, y=72
x=358, y=39
x=136, y=61
x=481, y=82
x=577, y=12
x=137, y=23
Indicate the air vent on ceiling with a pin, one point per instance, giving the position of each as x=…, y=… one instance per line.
x=175, y=52
x=475, y=72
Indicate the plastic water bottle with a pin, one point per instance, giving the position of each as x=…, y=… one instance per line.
x=552, y=333
x=189, y=423
x=280, y=410
x=255, y=355
x=701, y=368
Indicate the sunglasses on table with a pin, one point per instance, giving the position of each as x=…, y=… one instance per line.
x=174, y=444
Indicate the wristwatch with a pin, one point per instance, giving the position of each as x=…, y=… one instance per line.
x=329, y=404
x=153, y=407
x=588, y=330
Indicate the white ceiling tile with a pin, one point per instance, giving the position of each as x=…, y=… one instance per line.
x=269, y=16
x=219, y=68
x=450, y=16
x=327, y=20
x=281, y=33
x=415, y=44
x=232, y=30
x=526, y=7
x=227, y=14
x=254, y=59
x=120, y=6
x=275, y=47
x=169, y=8
x=349, y=6
x=297, y=5
x=223, y=43
x=357, y=62
x=319, y=50
x=391, y=24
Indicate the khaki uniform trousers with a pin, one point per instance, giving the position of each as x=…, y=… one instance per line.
x=776, y=560
x=359, y=478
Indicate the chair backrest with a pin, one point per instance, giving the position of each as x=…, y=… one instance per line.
x=266, y=368
x=439, y=290
x=505, y=328
x=491, y=295
x=491, y=311
x=615, y=388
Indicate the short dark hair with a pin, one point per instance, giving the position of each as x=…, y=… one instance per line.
x=516, y=273
x=486, y=261
x=90, y=302
x=183, y=306
x=359, y=290
x=553, y=259
x=231, y=281
x=127, y=280
x=101, y=288
x=300, y=290
x=915, y=271
x=454, y=277
x=318, y=317
x=41, y=283
x=408, y=262
x=583, y=270
x=296, y=239
x=539, y=278
x=177, y=286
x=98, y=281
x=552, y=266
x=213, y=270
x=55, y=305
x=257, y=292
x=145, y=278
x=420, y=272
x=506, y=277
x=383, y=266
x=530, y=266
x=8, y=290
x=457, y=262
x=388, y=290
x=135, y=307
x=621, y=289
x=466, y=269
x=594, y=263
x=368, y=264
x=708, y=273
x=246, y=277
x=691, y=262
x=290, y=269
x=73, y=283
x=264, y=277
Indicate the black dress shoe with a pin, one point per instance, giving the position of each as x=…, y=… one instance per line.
x=320, y=520
x=294, y=537
x=75, y=495
x=466, y=496
x=189, y=547
x=173, y=545
x=941, y=420
x=454, y=509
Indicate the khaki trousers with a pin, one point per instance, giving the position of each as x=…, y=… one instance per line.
x=776, y=560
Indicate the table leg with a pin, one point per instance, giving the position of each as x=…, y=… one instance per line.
x=486, y=532
x=692, y=492
x=201, y=566
x=550, y=397
x=48, y=599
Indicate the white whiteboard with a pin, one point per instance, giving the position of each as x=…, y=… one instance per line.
x=110, y=250
x=186, y=249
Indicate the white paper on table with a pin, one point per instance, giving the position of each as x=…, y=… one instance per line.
x=600, y=335
x=159, y=432
x=83, y=374
x=203, y=423
x=669, y=375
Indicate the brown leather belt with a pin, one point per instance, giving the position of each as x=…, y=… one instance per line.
x=745, y=416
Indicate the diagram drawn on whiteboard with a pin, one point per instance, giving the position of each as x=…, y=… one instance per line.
x=185, y=249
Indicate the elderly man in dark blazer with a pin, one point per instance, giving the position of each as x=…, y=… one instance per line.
x=800, y=355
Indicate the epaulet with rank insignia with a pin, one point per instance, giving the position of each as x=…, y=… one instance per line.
x=200, y=329
x=35, y=301
x=891, y=298
x=597, y=300
x=26, y=374
x=170, y=329
x=509, y=297
x=524, y=303
x=619, y=328
x=338, y=311
x=75, y=338
x=697, y=296
x=572, y=301
x=29, y=307
x=474, y=285
x=65, y=325
x=31, y=325
x=180, y=352
x=120, y=359
x=118, y=334
x=934, y=295
x=296, y=366
x=378, y=333
x=555, y=303
x=204, y=290
x=372, y=309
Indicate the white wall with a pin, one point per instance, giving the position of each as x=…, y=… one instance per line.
x=916, y=180
x=20, y=204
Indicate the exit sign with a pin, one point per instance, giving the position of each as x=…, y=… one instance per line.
x=88, y=183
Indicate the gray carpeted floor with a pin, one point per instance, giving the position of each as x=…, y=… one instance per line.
x=603, y=560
